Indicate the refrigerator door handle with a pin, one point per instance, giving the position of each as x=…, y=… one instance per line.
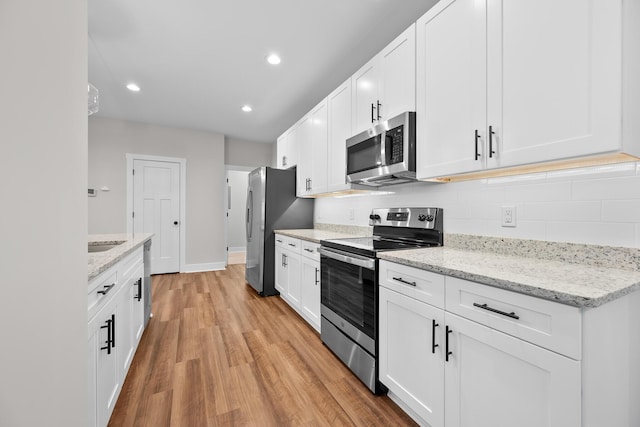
x=249, y=224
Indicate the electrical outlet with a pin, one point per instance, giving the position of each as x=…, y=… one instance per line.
x=508, y=216
x=351, y=214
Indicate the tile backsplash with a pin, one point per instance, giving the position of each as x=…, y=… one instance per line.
x=595, y=205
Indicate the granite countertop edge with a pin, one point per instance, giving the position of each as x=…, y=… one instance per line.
x=553, y=292
x=313, y=235
x=101, y=261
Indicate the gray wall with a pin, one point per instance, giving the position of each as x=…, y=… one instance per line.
x=43, y=220
x=244, y=153
x=110, y=140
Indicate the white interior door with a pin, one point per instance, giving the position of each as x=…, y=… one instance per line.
x=156, y=209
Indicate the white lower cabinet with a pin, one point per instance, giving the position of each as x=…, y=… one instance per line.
x=103, y=363
x=410, y=366
x=116, y=323
x=446, y=370
x=297, y=272
x=137, y=305
x=281, y=273
x=493, y=379
x=130, y=319
x=310, y=284
x=287, y=268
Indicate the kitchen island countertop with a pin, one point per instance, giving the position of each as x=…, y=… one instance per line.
x=101, y=261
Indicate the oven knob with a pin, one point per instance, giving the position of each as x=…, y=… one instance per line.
x=429, y=218
x=422, y=217
x=374, y=217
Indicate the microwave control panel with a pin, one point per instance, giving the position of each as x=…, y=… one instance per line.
x=395, y=145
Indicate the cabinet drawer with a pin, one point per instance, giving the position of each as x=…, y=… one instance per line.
x=310, y=250
x=280, y=240
x=101, y=289
x=130, y=263
x=548, y=324
x=289, y=243
x=419, y=284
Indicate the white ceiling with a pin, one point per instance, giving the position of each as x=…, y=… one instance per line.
x=199, y=61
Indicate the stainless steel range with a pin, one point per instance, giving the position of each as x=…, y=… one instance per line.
x=349, y=284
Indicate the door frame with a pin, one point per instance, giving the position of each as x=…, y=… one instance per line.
x=183, y=191
x=227, y=169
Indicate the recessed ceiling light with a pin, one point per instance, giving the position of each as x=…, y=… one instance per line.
x=246, y=108
x=133, y=87
x=273, y=59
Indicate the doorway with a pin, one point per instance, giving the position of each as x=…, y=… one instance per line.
x=237, y=183
x=155, y=204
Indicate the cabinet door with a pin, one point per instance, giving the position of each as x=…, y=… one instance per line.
x=124, y=334
x=318, y=140
x=451, y=88
x=554, y=79
x=137, y=317
x=292, y=147
x=107, y=372
x=286, y=149
x=410, y=366
x=294, y=287
x=282, y=277
x=281, y=148
x=365, y=96
x=339, y=109
x=305, y=163
x=493, y=379
x=310, y=292
x=398, y=75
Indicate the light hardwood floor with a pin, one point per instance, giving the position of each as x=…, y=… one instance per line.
x=217, y=354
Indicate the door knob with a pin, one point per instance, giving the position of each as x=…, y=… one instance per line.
x=175, y=222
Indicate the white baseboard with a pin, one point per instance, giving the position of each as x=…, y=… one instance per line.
x=234, y=249
x=210, y=266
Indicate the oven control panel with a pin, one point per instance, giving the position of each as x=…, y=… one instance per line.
x=430, y=218
x=397, y=216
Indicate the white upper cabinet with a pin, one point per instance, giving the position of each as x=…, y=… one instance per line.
x=555, y=93
x=365, y=96
x=508, y=83
x=311, y=138
x=319, y=138
x=287, y=152
x=305, y=163
x=339, y=111
x=385, y=86
x=451, y=82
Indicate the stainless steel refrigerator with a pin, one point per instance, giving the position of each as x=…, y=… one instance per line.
x=271, y=205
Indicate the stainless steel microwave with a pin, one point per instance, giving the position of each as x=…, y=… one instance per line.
x=384, y=154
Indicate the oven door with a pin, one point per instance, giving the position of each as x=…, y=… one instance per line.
x=349, y=295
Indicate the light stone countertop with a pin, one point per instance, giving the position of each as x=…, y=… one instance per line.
x=574, y=274
x=313, y=234
x=575, y=284
x=101, y=261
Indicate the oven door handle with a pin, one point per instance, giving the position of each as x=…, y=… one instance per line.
x=360, y=261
